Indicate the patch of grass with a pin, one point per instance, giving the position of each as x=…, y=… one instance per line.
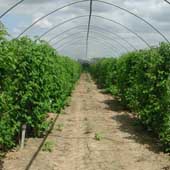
x=48, y=146
x=89, y=128
x=88, y=90
x=60, y=127
x=2, y=155
x=85, y=119
x=62, y=112
x=68, y=101
x=98, y=136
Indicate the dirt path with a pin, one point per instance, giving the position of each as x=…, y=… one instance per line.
x=123, y=145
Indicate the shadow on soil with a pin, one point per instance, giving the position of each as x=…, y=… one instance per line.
x=41, y=145
x=131, y=125
x=137, y=132
x=1, y=164
x=114, y=105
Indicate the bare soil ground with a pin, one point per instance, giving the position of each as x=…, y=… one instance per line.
x=123, y=144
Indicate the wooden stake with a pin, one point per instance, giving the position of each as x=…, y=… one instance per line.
x=23, y=135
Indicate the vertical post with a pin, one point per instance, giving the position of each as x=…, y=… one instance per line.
x=23, y=135
x=88, y=29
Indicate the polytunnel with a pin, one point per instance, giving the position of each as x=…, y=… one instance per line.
x=84, y=84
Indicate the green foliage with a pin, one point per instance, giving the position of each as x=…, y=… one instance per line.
x=89, y=127
x=60, y=127
x=104, y=72
x=48, y=146
x=68, y=101
x=8, y=130
x=142, y=81
x=34, y=80
x=98, y=136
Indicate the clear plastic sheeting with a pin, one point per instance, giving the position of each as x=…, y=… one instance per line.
x=20, y=15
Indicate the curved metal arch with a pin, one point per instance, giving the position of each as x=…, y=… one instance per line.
x=106, y=37
x=100, y=28
x=62, y=23
x=107, y=48
x=97, y=39
x=80, y=38
x=137, y=16
x=167, y=1
x=48, y=14
x=11, y=8
x=70, y=4
x=103, y=39
x=83, y=44
x=66, y=31
x=118, y=36
x=126, y=49
x=72, y=45
x=98, y=16
x=127, y=28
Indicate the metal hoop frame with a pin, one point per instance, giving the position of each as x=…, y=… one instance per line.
x=97, y=16
x=68, y=43
x=92, y=26
x=97, y=39
x=89, y=21
x=83, y=44
x=100, y=34
x=100, y=1
x=11, y=8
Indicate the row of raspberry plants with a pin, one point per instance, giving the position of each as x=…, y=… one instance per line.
x=34, y=80
x=141, y=79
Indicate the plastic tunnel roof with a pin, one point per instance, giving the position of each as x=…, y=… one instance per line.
x=123, y=25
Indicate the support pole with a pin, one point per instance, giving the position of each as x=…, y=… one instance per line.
x=23, y=135
x=88, y=29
